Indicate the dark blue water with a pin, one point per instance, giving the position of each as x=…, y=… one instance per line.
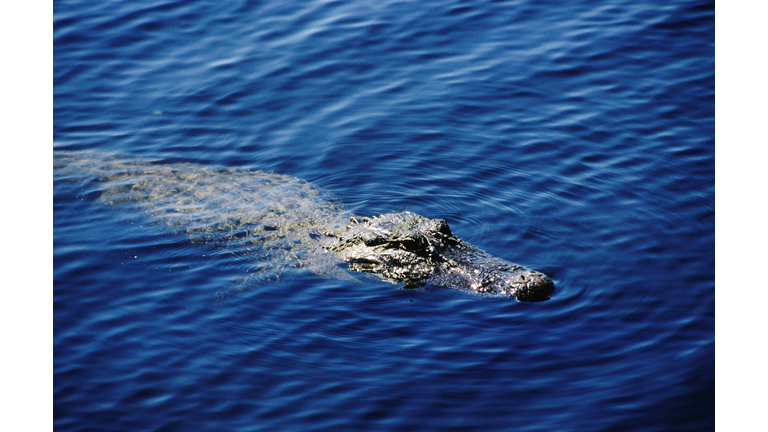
x=574, y=138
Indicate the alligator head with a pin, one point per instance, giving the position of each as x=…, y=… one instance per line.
x=411, y=249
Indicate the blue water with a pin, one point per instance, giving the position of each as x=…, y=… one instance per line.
x=573, y=138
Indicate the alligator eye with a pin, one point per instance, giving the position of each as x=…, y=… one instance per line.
x=522, y=277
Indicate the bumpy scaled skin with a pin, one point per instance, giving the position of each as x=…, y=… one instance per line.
x=277, y=221
x=411, y=249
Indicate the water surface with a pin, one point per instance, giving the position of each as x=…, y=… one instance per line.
x=577, y=140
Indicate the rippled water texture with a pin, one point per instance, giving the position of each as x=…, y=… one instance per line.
x=576, y=139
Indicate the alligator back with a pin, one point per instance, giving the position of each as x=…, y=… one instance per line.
x=274, y=220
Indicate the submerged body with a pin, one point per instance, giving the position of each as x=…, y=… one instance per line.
x=286, y=222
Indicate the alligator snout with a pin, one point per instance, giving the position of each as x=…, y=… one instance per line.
x=532, y=285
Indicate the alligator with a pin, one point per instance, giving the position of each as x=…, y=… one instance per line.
x=286, y=221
